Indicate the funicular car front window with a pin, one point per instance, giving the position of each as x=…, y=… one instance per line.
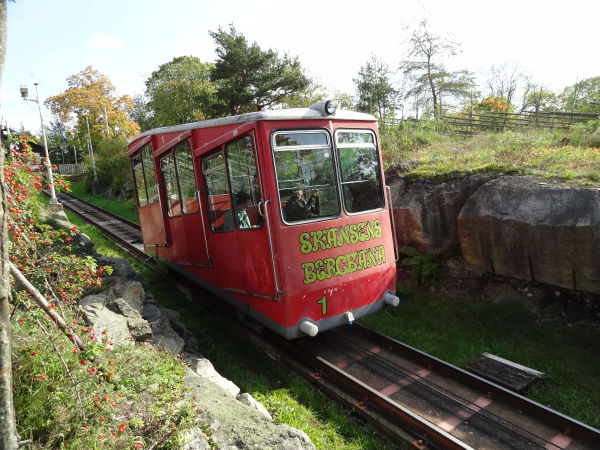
x=305, y=175
x=362, y=188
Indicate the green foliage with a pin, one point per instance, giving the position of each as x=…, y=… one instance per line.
x=583, y=96
x=374, y=91
x=249, y=78
x=75, y=387
x=537, y=99
x=112, y=167
x=428, y=149
x=179, y=92
x=425, y=268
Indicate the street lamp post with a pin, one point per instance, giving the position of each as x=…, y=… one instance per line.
x=24, y=95
x=90, y=148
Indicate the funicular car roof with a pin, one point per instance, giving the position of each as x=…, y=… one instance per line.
x=267, y=115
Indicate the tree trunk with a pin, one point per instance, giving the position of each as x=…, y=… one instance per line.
x=432, y=87
x=8, y=429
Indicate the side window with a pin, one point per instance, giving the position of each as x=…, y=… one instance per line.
x=169, y=179
x=149, y=173
x=217, y=192
x=140, y=181
x=305, y=175
x=243, y=179
x=186, y=177
x=362, y=188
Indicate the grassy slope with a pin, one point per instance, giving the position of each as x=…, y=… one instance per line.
x=436, y=154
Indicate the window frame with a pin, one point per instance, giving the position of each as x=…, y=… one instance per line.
x=331, y=147
x=195, y=177
x=225, y=146
x=172, y=153
x=220, y=150
x=148, y=148
x=340, y=171
x=142, y=178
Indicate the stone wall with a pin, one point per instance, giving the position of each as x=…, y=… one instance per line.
x=525, y=228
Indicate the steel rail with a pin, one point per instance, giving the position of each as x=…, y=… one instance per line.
x=567, y=424
x=70, y=202
x=68, y=196
x=391, y=411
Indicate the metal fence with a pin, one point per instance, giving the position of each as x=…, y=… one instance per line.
x=71, y=169
x=470, y=123
x=473, y=123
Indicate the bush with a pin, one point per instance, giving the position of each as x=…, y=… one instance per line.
x=112, y=166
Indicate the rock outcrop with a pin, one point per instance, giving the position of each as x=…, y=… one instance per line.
x=526, y=228
x=533, y=229
x=425, y=213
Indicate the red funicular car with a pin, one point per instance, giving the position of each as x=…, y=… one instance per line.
x=282, y=213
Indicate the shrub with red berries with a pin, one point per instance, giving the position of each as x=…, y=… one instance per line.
x=76, y=366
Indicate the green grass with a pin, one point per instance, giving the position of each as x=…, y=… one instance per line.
x=288, y=398
x=458, y=331
x=436, y=154
x=123, y=208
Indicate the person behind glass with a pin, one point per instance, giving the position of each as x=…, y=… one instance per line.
x=297, y=208
x=242, y=202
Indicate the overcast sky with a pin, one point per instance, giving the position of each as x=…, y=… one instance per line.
x=554, y=42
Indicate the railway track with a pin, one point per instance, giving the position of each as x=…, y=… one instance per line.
x=125, y=233
x=415, y=399
x=424, y=402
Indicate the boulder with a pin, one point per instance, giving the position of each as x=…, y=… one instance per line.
x=425, y=212
x=118, y=310
x=204, y=368
x=101, y=318
x=247, y=399
x=224, y=422
x=536, y=230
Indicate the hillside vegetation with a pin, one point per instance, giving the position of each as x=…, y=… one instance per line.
x=430, y=149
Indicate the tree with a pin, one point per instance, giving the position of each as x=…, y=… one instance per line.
x=92, y=93
x=303, y=98
x=456, y=85
x=343, y=100
x=429, y=76
x=536, y=98
x=180, y=91
x=503, y=82
x=141, y=113
x=112, y=166
x=374, y=91
x=8, y=429
x=59, y=142
x=250, y=79
x=583, y=96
